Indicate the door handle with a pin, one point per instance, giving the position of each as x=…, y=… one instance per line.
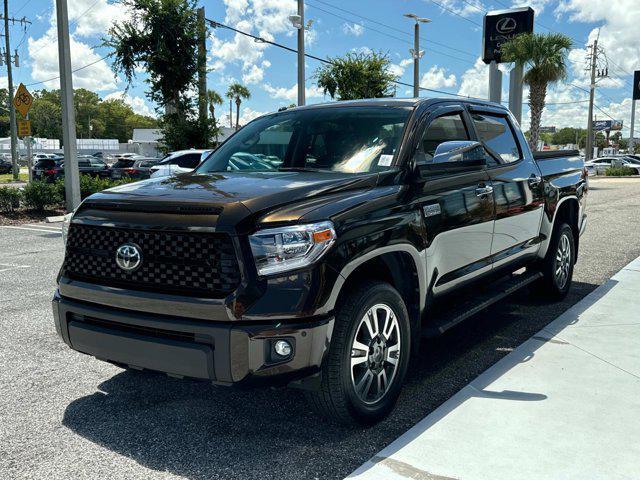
x=534, y=180
x=483, y=191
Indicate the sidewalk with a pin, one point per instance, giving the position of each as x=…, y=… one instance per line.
x=563, y=405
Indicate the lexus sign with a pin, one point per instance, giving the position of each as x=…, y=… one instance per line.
x=636, y=85
x=501, y=26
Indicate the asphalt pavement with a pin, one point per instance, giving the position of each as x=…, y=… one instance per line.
x=66, y=415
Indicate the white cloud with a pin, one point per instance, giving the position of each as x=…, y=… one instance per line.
x=354, y=29
x=43, y=53
x=94, y=17
x=474, y=82
x=246, y=115
x=537, y=5
x=436, y=77
x=255, y=73
x=291, y=94
x=138, y=104
x=466, y=8
x=398, y=69
x=619, y=33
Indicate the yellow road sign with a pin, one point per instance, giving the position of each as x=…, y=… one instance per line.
x=24, y=128
x=23, y=100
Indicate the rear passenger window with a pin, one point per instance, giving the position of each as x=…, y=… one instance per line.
x=497, y=134
x=190, y=160
x=443, y=129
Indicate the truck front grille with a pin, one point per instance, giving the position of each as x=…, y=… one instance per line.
x=178, y=263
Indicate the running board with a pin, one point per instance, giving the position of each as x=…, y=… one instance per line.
x=445, y=318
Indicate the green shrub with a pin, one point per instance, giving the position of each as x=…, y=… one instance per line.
x=620, y=171
x=90, y=185
x=39, y=195
x=10, y=198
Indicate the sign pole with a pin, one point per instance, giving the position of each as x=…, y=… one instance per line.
x=634, y=96
x=29, y=156
x=495, y=83
x=515, y=92
x=633, y=121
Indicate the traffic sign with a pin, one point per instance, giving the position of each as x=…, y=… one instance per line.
x=23, y=100
x=24, y=128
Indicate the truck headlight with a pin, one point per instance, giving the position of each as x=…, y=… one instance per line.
x=277, y=250
x=65, y=226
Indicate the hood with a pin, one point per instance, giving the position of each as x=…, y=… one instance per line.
x=233, y=195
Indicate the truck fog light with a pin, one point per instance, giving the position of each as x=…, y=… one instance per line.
x=283, y=348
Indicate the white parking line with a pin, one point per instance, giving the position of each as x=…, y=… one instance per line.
x=7, y=267
x=33, y=228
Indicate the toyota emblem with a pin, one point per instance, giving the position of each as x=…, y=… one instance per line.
x=506, y=25
x=128, y=257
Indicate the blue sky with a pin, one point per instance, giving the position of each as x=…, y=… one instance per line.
x=451, y=43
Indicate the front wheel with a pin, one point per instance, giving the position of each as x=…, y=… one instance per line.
x=557, y=267
x=367, y=360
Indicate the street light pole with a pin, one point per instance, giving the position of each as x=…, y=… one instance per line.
x=416, y=53
x=71, y=174
x=298, y=23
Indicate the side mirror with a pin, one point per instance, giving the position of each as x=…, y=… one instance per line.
x=455, y=154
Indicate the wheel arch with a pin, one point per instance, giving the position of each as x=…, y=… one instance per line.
x=390, y=264
x=567, y=211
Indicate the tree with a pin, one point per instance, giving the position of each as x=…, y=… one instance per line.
x=357, y=75
x=162, y=36
x=213, y=99
x=5, y=129
x=545, y=57
x=237, y=92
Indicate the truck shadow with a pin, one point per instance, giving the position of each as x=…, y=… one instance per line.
x=199, y=431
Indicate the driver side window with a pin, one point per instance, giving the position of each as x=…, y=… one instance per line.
x=442, y=129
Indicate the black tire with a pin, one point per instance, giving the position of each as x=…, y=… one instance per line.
x=557, y=258
x=336, y=398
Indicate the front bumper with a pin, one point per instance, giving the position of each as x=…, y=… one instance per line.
x=222, y=352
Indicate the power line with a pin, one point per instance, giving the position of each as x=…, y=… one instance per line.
x=72, y=71
x=453, y=12
x=391, y=36
x=390, y=27
x=216, y=24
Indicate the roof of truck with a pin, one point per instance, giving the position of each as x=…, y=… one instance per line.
x=396, y=102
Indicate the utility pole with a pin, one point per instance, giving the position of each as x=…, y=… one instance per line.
x=202, y=66
x=298, y=23
x=12, y=110
x=71, y=174
x=635, y=94
x=588, y=154
x=415, y=52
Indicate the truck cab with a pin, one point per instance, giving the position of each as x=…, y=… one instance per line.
x=321, y=263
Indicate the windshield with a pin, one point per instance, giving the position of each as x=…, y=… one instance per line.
x=341, y=139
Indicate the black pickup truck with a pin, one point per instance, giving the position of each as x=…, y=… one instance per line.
x=379, y=221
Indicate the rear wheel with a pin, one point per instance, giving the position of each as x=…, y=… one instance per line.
x=558, y=264
x=368, y=357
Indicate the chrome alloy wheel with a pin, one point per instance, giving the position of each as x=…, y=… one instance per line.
x=563, y=261
x=375, y=353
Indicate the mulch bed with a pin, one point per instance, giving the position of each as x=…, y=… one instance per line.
x=21, y=216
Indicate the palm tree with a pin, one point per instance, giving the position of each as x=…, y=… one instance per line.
x=237, y=92
x=545, y=57
x=213, y=98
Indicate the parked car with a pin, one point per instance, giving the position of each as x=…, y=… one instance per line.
x=138, y=168
x=5, y=166
x=181, y=161
x=599, y=165
x=386, y=220
x=48, y=169
x=93, y=166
